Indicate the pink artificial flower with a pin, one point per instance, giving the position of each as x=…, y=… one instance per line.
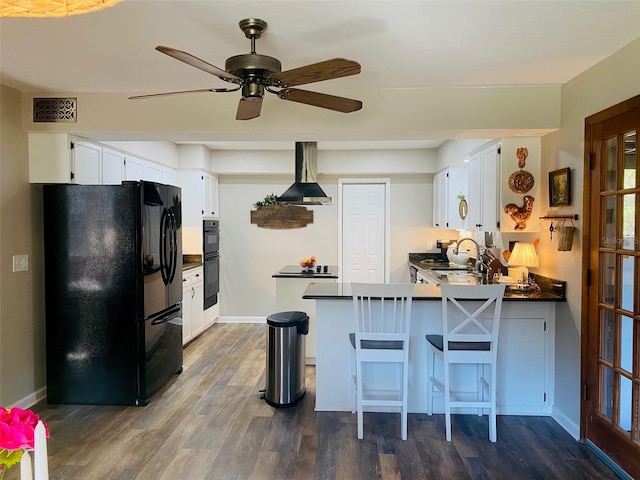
x=17, y=428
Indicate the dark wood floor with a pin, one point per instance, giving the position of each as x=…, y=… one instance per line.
x=209, y=423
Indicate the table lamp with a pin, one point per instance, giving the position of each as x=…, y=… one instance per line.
x=523, y=256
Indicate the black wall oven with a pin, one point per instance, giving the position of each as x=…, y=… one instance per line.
x=211, y=245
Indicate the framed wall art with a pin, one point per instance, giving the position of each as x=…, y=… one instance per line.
x=560, y=187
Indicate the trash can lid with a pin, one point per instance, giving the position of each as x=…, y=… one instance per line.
x=287, y=319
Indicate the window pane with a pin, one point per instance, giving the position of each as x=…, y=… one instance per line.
x=630, y=161
x=626, y=343
x=628, y=221
x=608, y=238
x=606, y=334
x=606, y=393
x=607, y=278
x=625, y=403
x=610, y=163
x=628, y=282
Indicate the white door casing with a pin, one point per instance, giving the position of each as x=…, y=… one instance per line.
x=363, y=230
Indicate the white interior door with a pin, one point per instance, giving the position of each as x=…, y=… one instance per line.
x=364, y=232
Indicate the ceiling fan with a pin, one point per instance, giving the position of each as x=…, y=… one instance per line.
x=255, y=73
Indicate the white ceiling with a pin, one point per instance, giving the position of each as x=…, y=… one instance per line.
x=400, y=44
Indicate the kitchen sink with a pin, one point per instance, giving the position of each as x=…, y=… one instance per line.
x=446, y=270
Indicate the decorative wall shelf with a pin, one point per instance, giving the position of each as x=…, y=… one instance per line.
x=573, y=216
x=281, y=217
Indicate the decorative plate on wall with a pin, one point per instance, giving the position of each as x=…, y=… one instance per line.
x=521, y=181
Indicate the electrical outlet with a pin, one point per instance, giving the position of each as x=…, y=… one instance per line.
x=20, y=263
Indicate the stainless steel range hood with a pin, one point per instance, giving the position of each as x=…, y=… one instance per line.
x=305, y=190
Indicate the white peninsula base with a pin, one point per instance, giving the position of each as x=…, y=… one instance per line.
x=525, y=357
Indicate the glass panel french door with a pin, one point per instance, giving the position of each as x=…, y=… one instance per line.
x=612, y=296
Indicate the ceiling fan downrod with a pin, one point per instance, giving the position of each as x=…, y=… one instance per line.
x=253, y=28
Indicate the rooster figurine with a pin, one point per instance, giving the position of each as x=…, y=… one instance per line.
x=520, y=215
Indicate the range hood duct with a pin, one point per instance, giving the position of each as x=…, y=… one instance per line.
x=305, y=190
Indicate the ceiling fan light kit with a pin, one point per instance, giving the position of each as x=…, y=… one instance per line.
x=255, y=73
x=51, y=8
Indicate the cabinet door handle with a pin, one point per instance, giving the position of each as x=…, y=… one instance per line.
x=193, y=292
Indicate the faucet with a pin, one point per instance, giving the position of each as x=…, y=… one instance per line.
x=479, y=250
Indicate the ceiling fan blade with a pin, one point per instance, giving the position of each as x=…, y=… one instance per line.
x=198, y=63
x=316, y=72
x=181, y=92
x=249, y=108
x=339, y=104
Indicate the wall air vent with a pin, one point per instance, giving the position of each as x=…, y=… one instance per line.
x=55, y=110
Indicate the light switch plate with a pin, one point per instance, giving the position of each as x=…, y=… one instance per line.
x=20, y=263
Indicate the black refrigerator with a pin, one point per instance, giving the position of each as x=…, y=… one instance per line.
x=113, y=288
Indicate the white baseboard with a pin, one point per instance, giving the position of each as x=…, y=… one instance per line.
x=242, y=320
x=565, y=422
x=31, y=399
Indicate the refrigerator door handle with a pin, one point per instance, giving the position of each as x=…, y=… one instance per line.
x=164, y=225
x=174, y=246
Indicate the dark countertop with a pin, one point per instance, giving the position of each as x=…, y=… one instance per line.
x=421, y=292
x=296, y=271
x=191, y=261
x=549, y=289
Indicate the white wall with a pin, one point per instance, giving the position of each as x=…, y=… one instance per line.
x=251, y=255
x=612, y=81
x=22, y=328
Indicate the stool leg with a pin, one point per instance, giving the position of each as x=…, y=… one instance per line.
x=431, y=357
x=447, y=403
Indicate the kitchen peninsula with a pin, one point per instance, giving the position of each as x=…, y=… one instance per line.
x=291, y=282
x=525, y=355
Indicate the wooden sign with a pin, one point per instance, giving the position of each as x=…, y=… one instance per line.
x=281, y=217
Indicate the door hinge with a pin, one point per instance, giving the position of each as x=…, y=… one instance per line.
x=73, y=145
x=499, y=150
x=587, y=275
x=71, y=176
x=447, y=224
x=447, y=174
x=544, y=396
x=584, y=392
x=545, y=326
x=592, y=160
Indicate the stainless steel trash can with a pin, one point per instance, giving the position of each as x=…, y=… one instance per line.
x=286, y=333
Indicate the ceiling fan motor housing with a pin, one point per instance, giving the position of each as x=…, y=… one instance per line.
x=252, y=65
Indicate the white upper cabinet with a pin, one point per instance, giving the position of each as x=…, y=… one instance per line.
x=169, y=176
x=483, y=189
x=63, y=158
x=134, y=168
x=210, y=194
x=450, y=188
x=86, y=167
x=199, y=199
x=112, y=167
x=153, y=172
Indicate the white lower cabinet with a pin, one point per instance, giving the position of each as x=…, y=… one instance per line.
x=192, y=304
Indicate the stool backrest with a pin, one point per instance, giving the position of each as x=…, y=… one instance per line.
x=382, y=308
x=471, y=327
